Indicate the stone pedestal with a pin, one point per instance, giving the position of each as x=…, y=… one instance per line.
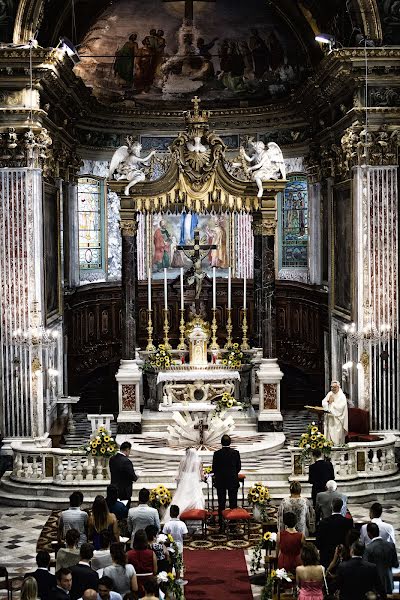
x=129, y=379
x=269, y=377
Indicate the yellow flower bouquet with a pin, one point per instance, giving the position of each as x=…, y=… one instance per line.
x=225, y=402
x=258, y=496
x=101, y=444
x=161, y=358
x=160, y=496
x=234, y=358
x=313, y=439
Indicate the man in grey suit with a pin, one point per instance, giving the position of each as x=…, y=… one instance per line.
x=323, y=503
x=383, y=555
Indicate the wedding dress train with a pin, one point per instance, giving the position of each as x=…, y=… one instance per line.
x=189, y=493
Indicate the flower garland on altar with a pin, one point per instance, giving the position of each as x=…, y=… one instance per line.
x=259, y=496
x=101, y=444
x=313, y=439
x=160, y=496
x=160, y=359
x=225, y=402
x=235, y=357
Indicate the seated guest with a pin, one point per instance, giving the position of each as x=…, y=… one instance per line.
x=73, y=518
x=151, y=589
x=310, y=575
x=383, y=555
x=115, y=506
x=160, y=550
x=288, y=544
x=29, y=590
x=83, y=576
x=356, y=577
x=386, y=531
x=105, y=590
x=46, y=581
x=101, y=519
x=143, y=514
x=64, y=584
x=123, y=575
x=331, y=532
x=320, y=471
x=69, y=556
x=176, y=527
x=302, y=509
x=89, y=595
x=102, y=558
x=324, y=501
x=142, y=558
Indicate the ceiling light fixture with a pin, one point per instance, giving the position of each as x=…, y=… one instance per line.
x=69, y=48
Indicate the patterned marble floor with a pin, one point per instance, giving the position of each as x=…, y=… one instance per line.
x=20, y=529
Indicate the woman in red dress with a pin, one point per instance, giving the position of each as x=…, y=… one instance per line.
x=288, y=544
x=143, y=558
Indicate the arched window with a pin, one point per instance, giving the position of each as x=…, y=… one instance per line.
x=91, y=225
x=294, y=224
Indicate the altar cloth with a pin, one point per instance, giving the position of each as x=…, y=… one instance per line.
x=198, y=375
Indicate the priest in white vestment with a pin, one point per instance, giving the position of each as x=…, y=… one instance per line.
x=336, y=422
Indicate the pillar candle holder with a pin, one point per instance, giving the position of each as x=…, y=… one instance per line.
x=150, y=346
x=245, y=341
x=166, y=331
x=214, y=343
x=182, y=345
x=229, y=330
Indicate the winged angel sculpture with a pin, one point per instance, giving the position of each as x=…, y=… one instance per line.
x=268, y=164
x=127, y=163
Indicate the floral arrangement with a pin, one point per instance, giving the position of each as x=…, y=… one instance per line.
x=267, y=541
x=235, y=357
x=259, y=496
x=161, y=359
x=314, y=439
x=207, y=470
x=160, y=496
x=170, y=584
x=273, y=577
x=177, y=563
x=225, y=402
x=101, y=444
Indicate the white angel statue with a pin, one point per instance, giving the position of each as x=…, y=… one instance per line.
x=126, y=164
x=269, y=164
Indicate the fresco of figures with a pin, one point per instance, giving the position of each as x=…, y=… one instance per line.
x=231, y=50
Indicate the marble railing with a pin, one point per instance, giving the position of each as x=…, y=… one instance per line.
x=57, y=466
x=353, y=461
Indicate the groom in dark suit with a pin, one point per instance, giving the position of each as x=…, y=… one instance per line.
x=226, y=467
x=122, y=471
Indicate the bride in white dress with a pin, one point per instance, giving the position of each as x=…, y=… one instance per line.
x=189, y=493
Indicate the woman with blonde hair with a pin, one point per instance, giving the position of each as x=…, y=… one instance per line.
x=101, y=519
x=302, y=509
x=29, y=590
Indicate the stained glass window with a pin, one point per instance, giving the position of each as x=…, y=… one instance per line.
x=294, y=223
x=91, y=205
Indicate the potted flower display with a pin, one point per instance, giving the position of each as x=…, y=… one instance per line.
x=161, y=358
x=275, y=577
x=101, y=444
x=160, y=498
x=235, y=357
x=313, y=439
x=267, y=542
x=225, y=402
x=259, y=498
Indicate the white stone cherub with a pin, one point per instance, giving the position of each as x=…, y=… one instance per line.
x=269, y=164
x=126, y=163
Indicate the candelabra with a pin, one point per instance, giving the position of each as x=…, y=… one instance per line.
x=214, y=343
x=36, y=334
x=182, y=345
x=229, y=330
x=150, y=346
x=245, y=341
x=166, y=330
x=369, y=333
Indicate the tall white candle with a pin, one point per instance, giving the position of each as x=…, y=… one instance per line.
x=214, y=290
x=165, y=290
x=149, y=290
x=244, y=293
x=229, y=288
x=182, y=300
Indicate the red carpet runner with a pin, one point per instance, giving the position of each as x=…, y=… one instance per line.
x=216, y=574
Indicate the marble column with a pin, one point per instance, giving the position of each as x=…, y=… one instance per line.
x=129, y=288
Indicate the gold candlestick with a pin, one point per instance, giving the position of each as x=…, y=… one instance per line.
x=229, y=330
x=150, y=346
x=166, y=330
x=214, y=343
x=245, y=344
x=182, y=345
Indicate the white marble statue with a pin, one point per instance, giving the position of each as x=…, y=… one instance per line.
x=126, y=163
x=268, y=164
x=336, y=421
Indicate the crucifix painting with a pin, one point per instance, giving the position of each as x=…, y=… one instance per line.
x=189, y=8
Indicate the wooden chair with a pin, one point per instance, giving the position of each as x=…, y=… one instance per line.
x=10, y=584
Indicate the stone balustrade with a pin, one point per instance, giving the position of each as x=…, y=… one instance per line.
x=97, y=421
x=353, y=461
x=57, y=466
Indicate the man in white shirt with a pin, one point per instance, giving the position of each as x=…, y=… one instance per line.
x=176, y=527
x=105, y=590
x=336, y=419
x=386, y=531
x=143, y=515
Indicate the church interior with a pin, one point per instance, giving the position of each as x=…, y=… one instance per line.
x=199, y=242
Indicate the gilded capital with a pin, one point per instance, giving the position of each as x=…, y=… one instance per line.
x=128, y=227
x=264, y=225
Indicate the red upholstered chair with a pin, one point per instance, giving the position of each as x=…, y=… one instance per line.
x=196, y=514
x=359, y=426
x=236, y=515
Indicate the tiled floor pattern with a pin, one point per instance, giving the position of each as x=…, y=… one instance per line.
x=21, y=527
